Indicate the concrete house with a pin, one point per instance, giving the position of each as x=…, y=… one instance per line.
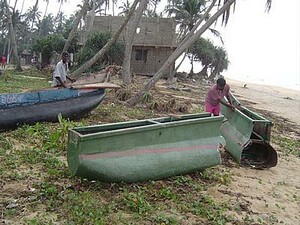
x=154, y=41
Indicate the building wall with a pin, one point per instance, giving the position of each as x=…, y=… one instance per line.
x=154, y=31
x=155, y=40
x=151, y=61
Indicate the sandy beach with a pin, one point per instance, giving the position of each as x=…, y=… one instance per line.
x=271, y=194
x=281, y=101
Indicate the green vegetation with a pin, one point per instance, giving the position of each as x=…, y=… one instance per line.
x=37, y=187
x=94, y=44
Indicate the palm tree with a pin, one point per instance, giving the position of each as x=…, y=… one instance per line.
x=46, y=9
x=125, y=8
x=129, y=40
x=185, y=44
x=187, y=14
x=80, y=15
x=114, y=3
x=13, y=36
x=33, y=14
x=92, y=15
x=100, y=54
x=61, y=2
x=154, y=3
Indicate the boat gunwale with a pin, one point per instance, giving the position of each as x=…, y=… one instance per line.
x=264, y=120
x=9, y=106
x=133, y=129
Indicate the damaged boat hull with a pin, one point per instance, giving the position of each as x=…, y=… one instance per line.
x=247, y=136
x=145, y=149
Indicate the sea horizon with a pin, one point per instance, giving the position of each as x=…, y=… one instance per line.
x=289, y=83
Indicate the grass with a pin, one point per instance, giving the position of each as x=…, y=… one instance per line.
x=39, y=189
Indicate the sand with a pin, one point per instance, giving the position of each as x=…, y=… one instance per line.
x=281, y=101
x=269, y=195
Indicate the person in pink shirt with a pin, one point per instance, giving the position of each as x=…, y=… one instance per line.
x=3, y=61
x=215, y=96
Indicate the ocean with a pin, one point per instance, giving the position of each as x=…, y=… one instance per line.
x=287, y=81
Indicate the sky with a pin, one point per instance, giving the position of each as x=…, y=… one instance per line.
x=262, y=47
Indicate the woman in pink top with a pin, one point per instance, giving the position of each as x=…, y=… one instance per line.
x=215, y=96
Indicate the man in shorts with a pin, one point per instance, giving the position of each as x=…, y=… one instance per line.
x=215, y=97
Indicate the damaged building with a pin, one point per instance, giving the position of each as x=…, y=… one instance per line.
x=153, y=43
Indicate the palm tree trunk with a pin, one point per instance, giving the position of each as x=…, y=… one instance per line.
x=113, y=7
x=46, y=9
x=92, y=19
x=203, y=72
x=13, y=38
x=126, y=72
x=100, y=54
x=134, y=100
x=171, y=75
x=22, y=7
x=72, y=33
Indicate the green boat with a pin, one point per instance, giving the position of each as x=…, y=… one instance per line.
x=143, y=150
x=247, y=136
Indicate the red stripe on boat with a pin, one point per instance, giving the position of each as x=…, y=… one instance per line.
x=142, y=151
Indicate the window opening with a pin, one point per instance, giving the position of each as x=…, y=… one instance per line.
x=141, y=55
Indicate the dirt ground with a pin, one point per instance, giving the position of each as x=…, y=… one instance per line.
x=270, y=194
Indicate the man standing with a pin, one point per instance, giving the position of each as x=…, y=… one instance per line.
x=60, y=73
x=215, y=96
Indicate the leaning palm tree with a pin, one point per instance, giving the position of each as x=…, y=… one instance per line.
x=100, y=54
x=190, y=38
x=80, y=15
x=186, y=13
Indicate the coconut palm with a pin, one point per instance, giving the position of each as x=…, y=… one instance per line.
x=187, y=13
x=100, y=54
x=46, y=9
x=114, y=3
x=125, y=8
x=61, y=2
x=126, y=73
x=80, y=15
x=185, y=44
x=12, y=35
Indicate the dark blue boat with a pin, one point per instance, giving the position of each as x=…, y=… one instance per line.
x=45, y=105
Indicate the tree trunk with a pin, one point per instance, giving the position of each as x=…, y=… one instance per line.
x=192, y=67
x=75, y=25
x=92, y=19
x=100, y=54
x=203, y=72
x=46, y=9
x=131, y=30
x=171, y=75
x=179, y=50
x=13, y=37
